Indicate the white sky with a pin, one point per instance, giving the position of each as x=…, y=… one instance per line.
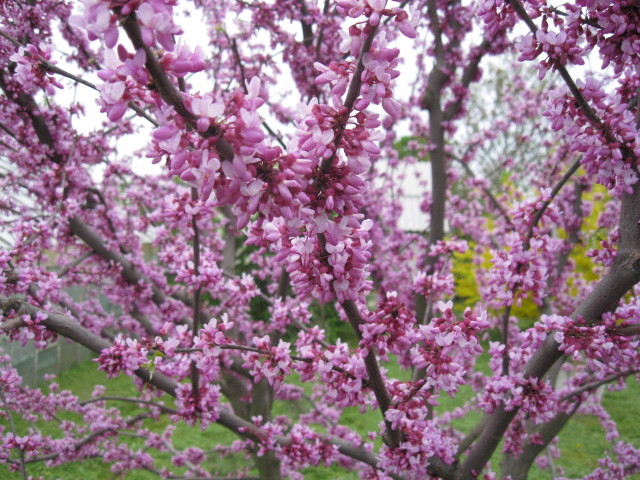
x=194, y=29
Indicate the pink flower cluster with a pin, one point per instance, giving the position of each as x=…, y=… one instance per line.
x=209, y=275
x=336, y=269
x=210, y=338
x=599, y=342
x=375, y=10
x=442, y=340
x=607, y=253
x=33, y=330
x=100, y=19
x=605, y=147
x=30, y=71
x=272, y=363
x=435, y=286
x=617, y=34
x=286, y=313
x=422, y=440
x=518, y=271
x=448, y=247
x=498, y=16
x=125, y=79
x=536, y=398
x=341, y=372
x=626, y=464
x=203, y=406
x=389, y=329
x=560, y=49
x=306, y=449
x=123, y=356
x=333, y=265
x=251, y=177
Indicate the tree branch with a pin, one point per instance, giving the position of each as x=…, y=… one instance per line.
x=593, y=385
x=104, y=398
x=67, y=328
x=494, y=201
x=12, y=426
x=167, y=89
x=624, y=274
x=352, y=94
x=130, y=273
x=556, y=189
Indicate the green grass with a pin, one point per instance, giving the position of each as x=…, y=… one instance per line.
x=81, y=380
x=582, y=441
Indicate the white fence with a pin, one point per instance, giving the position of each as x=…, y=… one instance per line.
x=32, y=364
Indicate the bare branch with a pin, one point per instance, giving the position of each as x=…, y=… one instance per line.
x=163, y=408
x=593, y=385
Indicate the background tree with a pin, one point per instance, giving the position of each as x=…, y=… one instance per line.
x=267, y=219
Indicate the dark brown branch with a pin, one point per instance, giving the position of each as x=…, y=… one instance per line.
x=129, y=272
x=86, y=440
x=517, y=467
x=431, y=101
x=307, y=31
x=376, y=382
x=468, y=75
x=504, y=328
x=629, y=330
x=167, y=89
x=195, y=374
x=30, y=108
x=352, y=94
x=11, y=324
x=574, y=235
x=472, y=436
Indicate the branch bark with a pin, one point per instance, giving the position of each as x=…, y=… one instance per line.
x=624, y=274
x=167, y=90
x=130, y=273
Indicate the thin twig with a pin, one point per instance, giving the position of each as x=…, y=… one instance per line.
x=195, y=374
x=75, y=263
x=12, y=425
x=599, y=383
x=50, y=67
x=163, y=408
x=244, y=348
x=556, y=189
x=489, y=194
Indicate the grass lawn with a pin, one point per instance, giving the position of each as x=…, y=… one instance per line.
x=582, y=441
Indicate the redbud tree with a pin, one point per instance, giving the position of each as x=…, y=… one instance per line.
x=275, y=128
